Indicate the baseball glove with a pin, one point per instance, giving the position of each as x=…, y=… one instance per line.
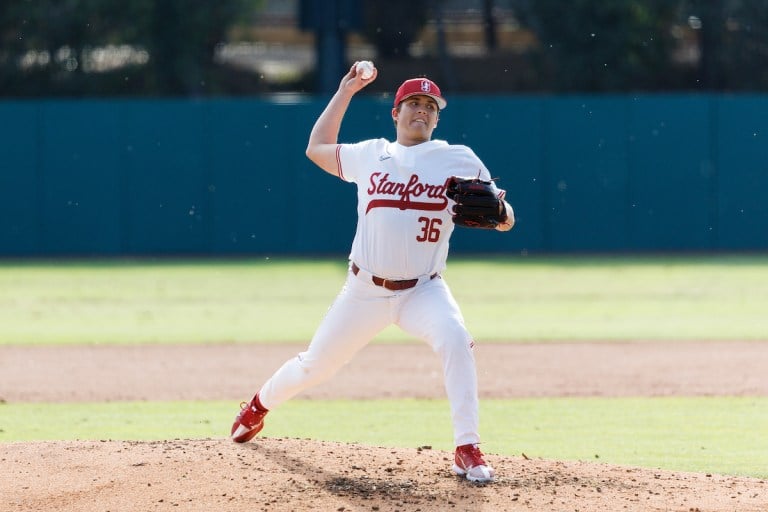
x=478, y=203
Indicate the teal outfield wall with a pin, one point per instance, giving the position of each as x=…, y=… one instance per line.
x=229, y=176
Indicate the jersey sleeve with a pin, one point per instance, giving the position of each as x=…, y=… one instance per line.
x=470, y=165
x=350, y=158
x=473, y=167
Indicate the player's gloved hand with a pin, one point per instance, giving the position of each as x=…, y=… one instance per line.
x=479, y=204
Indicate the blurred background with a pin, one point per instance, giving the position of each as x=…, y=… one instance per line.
x=80, y=48
x=178, y=127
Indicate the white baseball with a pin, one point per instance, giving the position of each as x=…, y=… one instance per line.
x=365, y=69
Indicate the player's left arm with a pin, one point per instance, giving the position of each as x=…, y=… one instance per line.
x=509, y=223
x=504, y=206
x=471, y=161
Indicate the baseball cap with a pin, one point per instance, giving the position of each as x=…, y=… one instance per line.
x=420, y=87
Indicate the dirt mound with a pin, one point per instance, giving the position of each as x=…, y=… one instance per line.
x=292, y=474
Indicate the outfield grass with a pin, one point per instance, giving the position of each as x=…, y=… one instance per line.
x=711, y=435
x=280, y=300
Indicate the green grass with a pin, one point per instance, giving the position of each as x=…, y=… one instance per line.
x=713, y=435
x=283, y=300
x=161, y=302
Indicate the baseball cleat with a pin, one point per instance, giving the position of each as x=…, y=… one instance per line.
x=469, y=462
x=249, y=421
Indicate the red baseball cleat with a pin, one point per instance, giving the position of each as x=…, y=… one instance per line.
x=249, y=421
x=469, y=462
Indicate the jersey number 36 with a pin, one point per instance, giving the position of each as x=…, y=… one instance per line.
x=430, y=230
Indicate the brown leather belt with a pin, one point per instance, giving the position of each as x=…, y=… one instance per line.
x=390, y=284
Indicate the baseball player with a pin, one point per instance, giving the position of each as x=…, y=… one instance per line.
x=411, y=193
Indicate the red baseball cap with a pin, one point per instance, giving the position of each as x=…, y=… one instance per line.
x=420, y=87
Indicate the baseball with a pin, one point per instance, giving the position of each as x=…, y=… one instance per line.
x=365, y=69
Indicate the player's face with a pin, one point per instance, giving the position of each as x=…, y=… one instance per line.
x=415, y=119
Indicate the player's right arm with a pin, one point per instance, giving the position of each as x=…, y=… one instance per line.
x=323, y=139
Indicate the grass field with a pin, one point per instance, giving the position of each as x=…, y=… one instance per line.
x=716, y=435
x=504, y=300
x=278, y=300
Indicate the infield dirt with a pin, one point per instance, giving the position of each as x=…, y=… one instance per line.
x=299, y=474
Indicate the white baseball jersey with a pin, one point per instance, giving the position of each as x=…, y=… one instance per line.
x=404, y=217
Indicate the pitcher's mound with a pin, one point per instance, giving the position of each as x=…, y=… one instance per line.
x=297, y=475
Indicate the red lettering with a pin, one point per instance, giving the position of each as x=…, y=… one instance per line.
x=406, y=193
x=372, y=188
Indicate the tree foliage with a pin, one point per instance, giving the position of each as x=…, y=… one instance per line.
x=734, y=44
x=46, y=45
x=589, y=45
x=49, y=47
x=593, y=45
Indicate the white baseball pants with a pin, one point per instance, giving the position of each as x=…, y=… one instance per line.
x=361, y=310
